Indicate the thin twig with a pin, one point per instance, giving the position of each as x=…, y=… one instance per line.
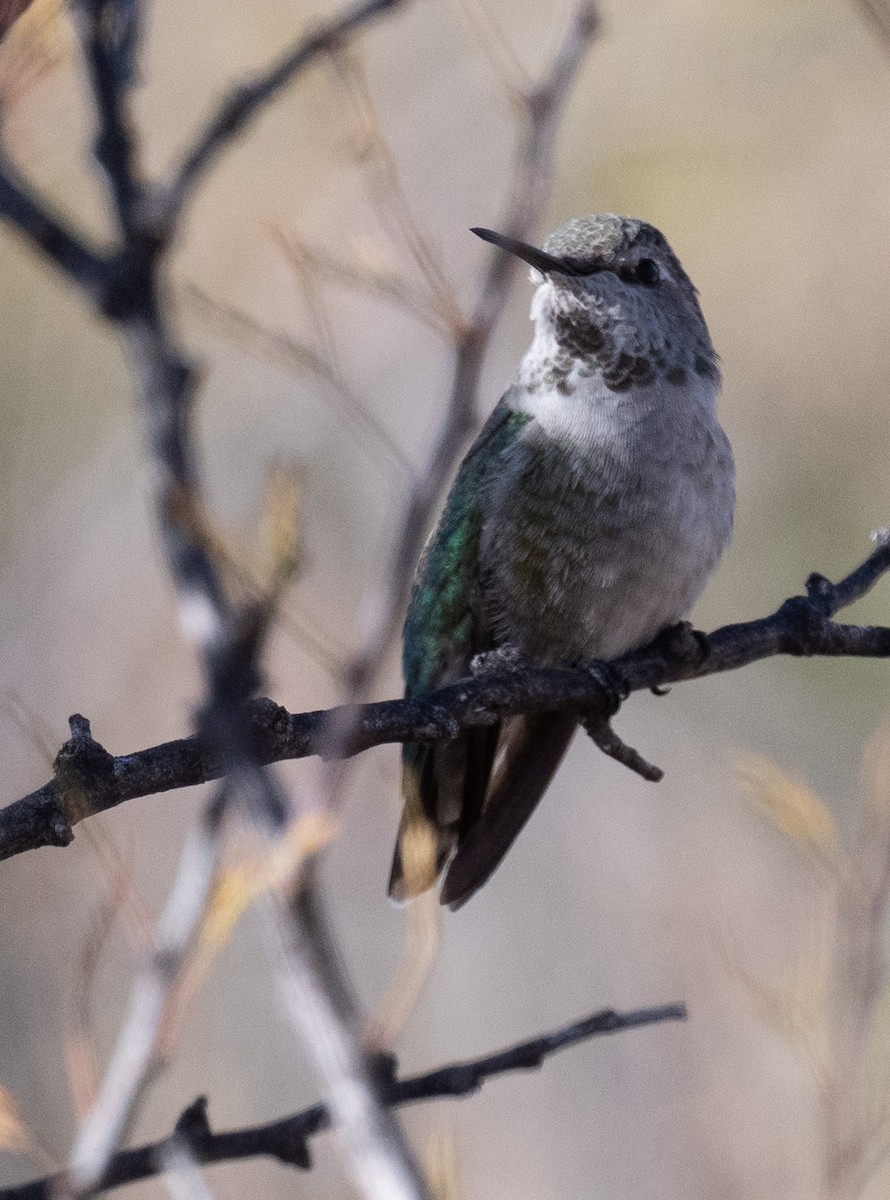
x=251, y=98
x=49, y=233
x=286, y=1139
x=877, y=16
x=282, y=349
x=136, y=1051
x=392, y=202
x=513, y=78
x=361, y=276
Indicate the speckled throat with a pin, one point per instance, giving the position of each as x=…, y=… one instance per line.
x=578, y=336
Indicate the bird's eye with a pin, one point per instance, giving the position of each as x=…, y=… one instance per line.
x=647, y=272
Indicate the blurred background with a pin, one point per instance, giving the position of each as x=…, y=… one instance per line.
x=756, y=135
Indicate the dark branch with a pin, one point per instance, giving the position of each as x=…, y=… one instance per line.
x=88, y=780
x=108, y=31
x=149, y=214
x=286, y=1140
x=129, y=288
x=48, y=233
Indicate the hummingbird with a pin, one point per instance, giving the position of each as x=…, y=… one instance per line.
x=585, y=520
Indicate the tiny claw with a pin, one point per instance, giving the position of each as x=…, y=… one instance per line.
x=613, y=682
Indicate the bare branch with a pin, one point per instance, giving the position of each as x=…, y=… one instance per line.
x=109, y=33
x=877, y=15
x=48, y=232
x=319, y=1005
x=605, y=737
x=89, y=780
x=136, y=1051
x=286, y=1139
x=247, y=101
x=129, y=289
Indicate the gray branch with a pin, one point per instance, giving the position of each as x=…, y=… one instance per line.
x=88, y=779
x=287, y=1139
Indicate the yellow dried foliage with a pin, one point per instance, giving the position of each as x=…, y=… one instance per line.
x=14, y=1133
x=833, y=1003
x=793, y=808
x=442, y=1166
x=873, y=834
x=423, y=937
x=82, y=1068
x=31, y=44
x=239, y=884
x=281, y=528
x=423, y=934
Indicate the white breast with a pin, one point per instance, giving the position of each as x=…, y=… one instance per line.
x=609, y=516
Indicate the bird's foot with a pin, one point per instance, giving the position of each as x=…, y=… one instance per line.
x=598, y=725
x=504, y=658
x=612, y=680
x=684, y=642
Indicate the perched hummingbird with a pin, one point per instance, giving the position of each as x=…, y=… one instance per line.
x=585, y=519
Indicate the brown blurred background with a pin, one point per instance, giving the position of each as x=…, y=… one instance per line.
x=757, y=136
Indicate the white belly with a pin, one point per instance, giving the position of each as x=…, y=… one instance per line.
x=606, y=521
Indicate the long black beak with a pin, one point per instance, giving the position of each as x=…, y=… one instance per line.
x=539, y=259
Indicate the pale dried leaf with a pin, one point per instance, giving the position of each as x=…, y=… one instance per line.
x=82, y=1069
x=281, y=533
x=794, y=809
x=442, y=1167
x=14, y=1133
x=34, y=39
x=238, y=883
x=871, y=856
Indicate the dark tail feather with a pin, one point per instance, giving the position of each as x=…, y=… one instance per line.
x=444, y=788
x=533, y=749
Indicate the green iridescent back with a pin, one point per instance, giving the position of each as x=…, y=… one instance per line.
x=445, y=625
